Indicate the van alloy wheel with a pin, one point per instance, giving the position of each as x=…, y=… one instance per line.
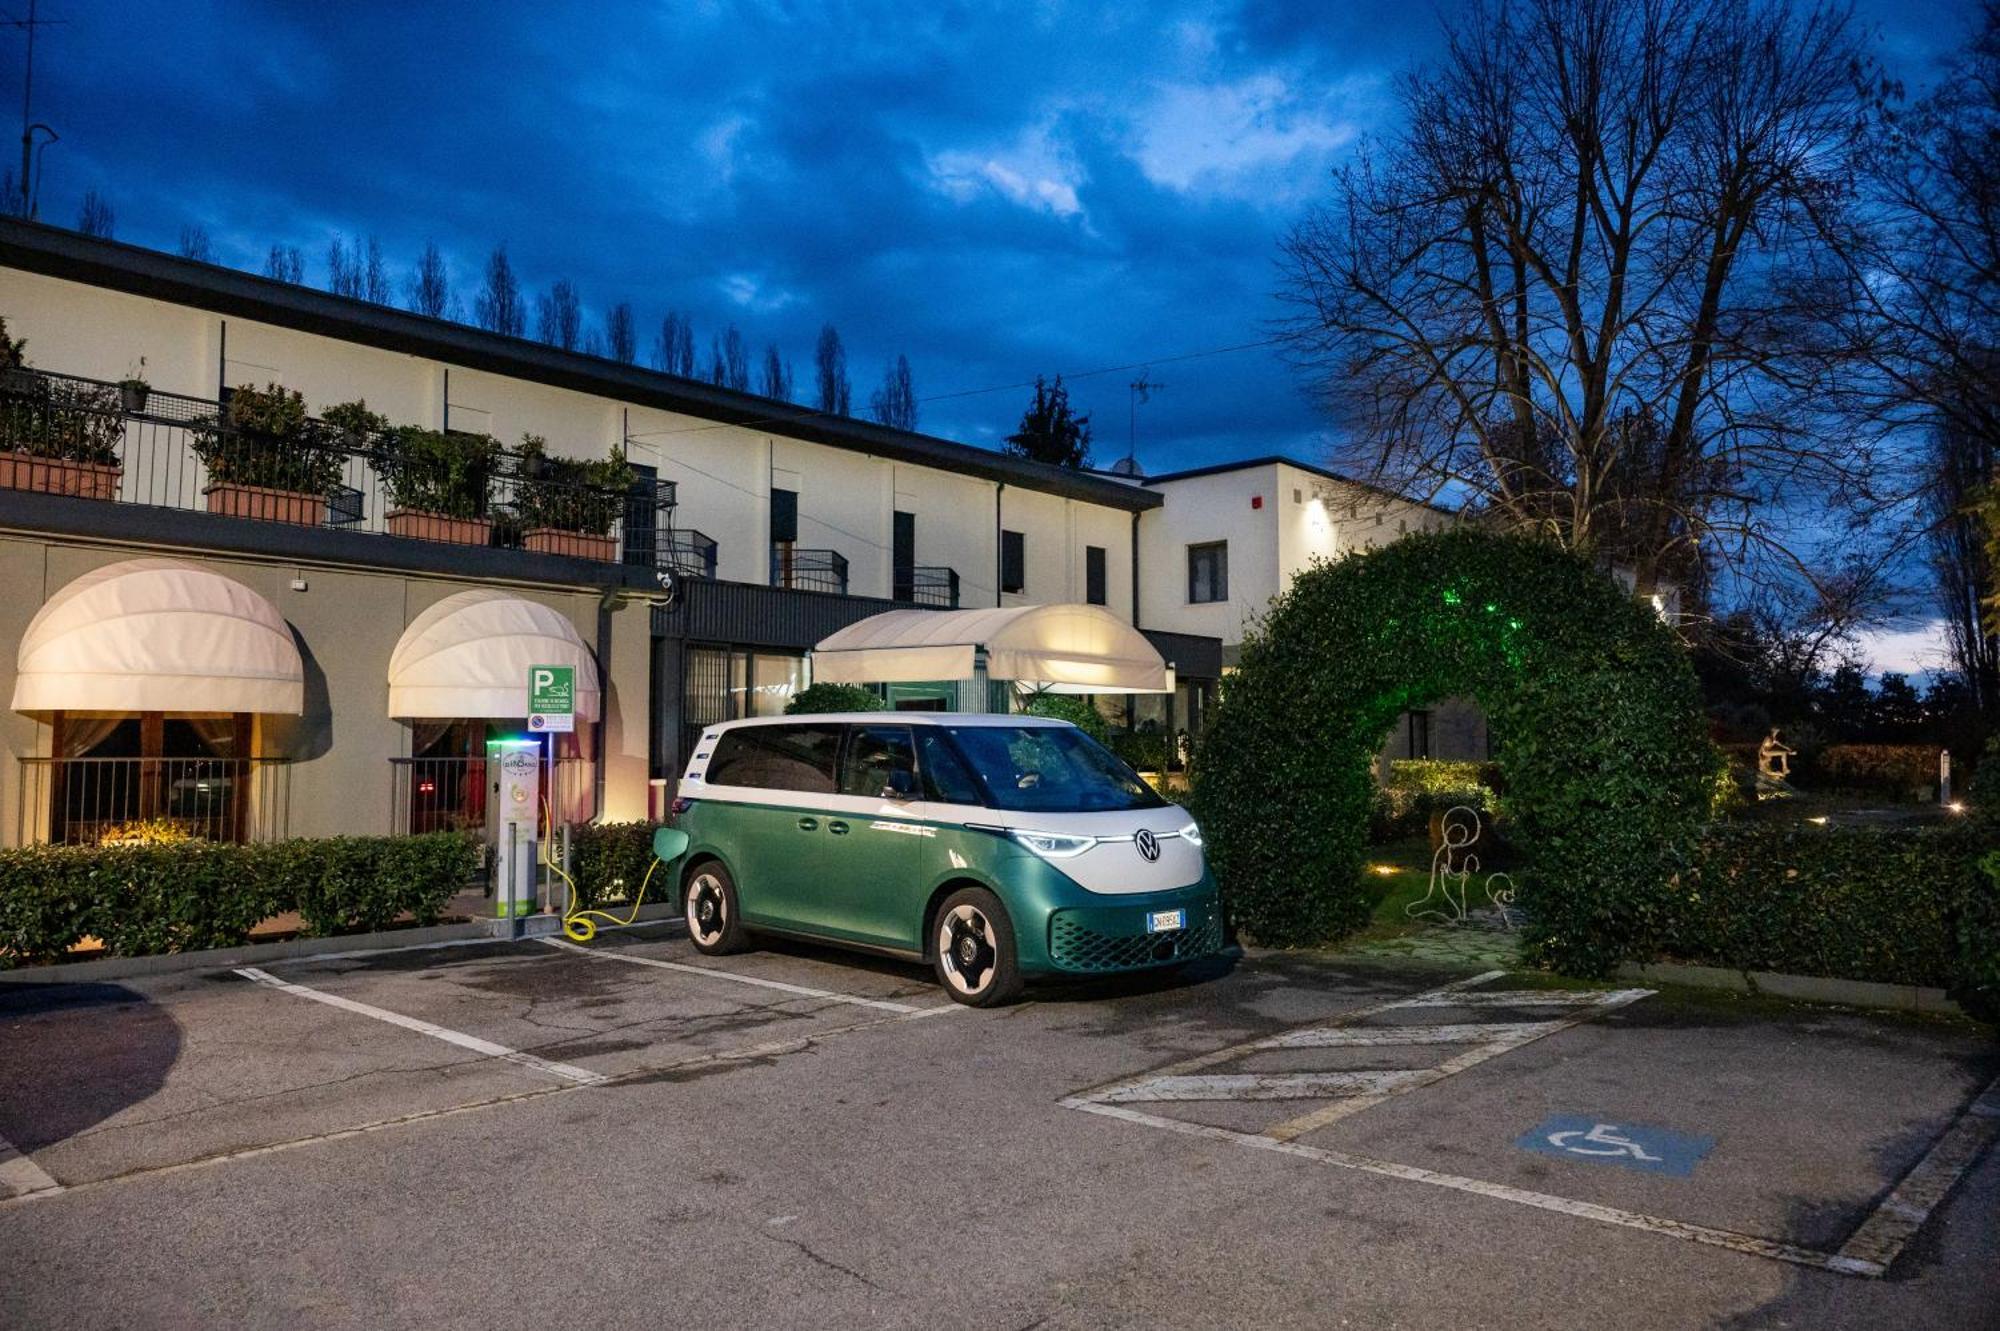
x=713, y=921
x=974, y=949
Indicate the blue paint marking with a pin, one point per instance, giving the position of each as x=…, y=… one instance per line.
x=1602, y=1141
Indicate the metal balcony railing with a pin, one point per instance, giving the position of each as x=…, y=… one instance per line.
x=81, y=801
x=808, y=570
x=928, y=584
x=688, y=553
x=87, y=438
x=449, y=794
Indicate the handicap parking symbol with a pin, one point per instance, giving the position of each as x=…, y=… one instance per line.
x=1595, y=1140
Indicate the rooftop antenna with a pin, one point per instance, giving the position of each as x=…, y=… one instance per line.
x=1142, y=390
x=28, y=123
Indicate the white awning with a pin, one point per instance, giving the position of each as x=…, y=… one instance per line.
x=158, y=635
x=468, y=656
x=1058, y=648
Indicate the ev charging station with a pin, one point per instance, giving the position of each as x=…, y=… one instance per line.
x=513, y=820
x=519, y=805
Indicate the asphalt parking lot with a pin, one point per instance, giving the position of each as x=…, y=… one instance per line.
x=631, y=1134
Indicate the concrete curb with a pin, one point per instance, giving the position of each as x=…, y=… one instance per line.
x=258, y=954
x=1805, y=988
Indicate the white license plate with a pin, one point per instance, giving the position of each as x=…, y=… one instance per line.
x=1160, y=921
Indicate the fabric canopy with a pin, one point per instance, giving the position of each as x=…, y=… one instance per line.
x=1059, y=648
x=158, y=635
x=469, y=655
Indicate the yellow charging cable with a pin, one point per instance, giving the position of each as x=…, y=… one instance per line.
x=577, y=923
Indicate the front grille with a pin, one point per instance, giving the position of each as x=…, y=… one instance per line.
x=1115, y=939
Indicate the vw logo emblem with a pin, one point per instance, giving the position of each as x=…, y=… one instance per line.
x=1148, y=844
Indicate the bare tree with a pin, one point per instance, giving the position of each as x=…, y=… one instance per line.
x=195, y=245
x=729, y=361
x=1924, y=294
x=834, y=394
x=559, y=316
x=499, y=308
x=286, y=264
x=895, y=402
x=620, y=336
x=95, y=217
x=375, y=275
x=1568, y=287
x=777, y=381
x=673, y=350
x=430, y=284
x=343, y=268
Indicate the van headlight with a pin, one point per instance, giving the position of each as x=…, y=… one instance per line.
x=1192, y=834
x=1053, y=845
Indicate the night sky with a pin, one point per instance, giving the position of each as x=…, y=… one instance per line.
x=995, y=191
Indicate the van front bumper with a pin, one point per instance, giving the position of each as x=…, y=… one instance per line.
x=1093, y=933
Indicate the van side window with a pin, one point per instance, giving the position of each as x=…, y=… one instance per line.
x=777, y=758
x=880, y=759
x=947, y=779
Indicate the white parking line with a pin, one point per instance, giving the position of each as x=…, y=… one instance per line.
x=1343, y=1037
x=20, y=1176
x=567, y=1071
x=1260, y=1086
x=713, y=973
x=1883, y=1235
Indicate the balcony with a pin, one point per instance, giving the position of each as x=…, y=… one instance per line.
x=934, y=585
x=85, y=438
x=688, y=553
x=808, y=570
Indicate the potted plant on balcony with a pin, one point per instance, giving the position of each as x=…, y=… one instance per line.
x=267, y=459
x=56, y=436
x=567, y=506
x=440, y=483
x=133, y=390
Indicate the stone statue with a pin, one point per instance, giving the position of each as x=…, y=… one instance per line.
x=1774, y=757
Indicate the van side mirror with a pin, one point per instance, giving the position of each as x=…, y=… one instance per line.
x=900, y=786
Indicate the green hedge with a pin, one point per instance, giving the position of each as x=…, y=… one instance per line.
x=1068, y=707
x=1895, y=905
x=1594, y=711
x=817, y=698
x=141, y=900
x=609, y=862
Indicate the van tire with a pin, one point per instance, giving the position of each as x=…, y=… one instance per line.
x=972, y=949
x=708, y=908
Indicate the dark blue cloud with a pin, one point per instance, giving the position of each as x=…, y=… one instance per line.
x=997, y=191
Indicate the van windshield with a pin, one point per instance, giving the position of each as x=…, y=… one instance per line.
x=1050, y=769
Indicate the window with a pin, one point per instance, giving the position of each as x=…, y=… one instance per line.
x=642, y=516
x=784, y=535
x=947, y=779
x=1420, y=735
x=1208, y=572
x=798, y=758
x=1013, y=561
x=1093, y=574
x=881, y=763
x=1050, y=769
x=903, y=556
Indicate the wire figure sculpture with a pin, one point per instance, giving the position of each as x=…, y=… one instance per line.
x=1453, y=866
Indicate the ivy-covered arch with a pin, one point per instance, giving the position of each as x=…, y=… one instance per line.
x=1593, y=710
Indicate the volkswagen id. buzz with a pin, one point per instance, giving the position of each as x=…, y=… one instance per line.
x=993, y=848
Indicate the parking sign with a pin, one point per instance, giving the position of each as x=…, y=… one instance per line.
x=551, y=699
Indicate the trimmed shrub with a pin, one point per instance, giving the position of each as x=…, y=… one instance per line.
x=1898, y=770
x=145, y=899
x=1594, y=711
x=1898, y=905
x=833, y=698
x=1068, y=707
x=1441, y=775
x=609, y=862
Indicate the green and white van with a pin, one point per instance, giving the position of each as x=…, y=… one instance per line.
x=992, y=847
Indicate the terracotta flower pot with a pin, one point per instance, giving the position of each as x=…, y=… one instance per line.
x=85, y=480
x=575, y=544
x=422, y=526
x=266, y=504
